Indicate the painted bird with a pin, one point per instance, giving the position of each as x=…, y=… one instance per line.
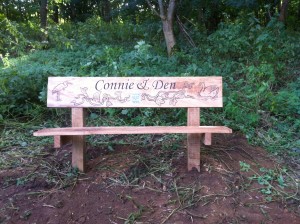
x=60, y=87
x=208, y=92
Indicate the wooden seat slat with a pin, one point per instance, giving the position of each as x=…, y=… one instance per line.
x=73, y=131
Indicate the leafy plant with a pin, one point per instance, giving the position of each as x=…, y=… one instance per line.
x=5, y=60
x=245, y=167
x=273, y=181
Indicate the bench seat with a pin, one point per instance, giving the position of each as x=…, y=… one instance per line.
x=73, y=131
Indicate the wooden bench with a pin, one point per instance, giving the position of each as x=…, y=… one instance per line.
x=79, y=93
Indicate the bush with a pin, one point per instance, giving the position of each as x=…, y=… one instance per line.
x=17, y=38
x=258, y=65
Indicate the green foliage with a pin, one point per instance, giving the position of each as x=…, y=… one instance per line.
x=259, y=66
x=256, y=64
x=229, y=41
x=5, y=60
x=244, y=166
x=94, y=32
x=286, y=102
x=17, y=38
x=10, y=37
x=273, y=181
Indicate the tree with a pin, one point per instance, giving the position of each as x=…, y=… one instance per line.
x=167, y=18
x=55, y=13
x=105, y=11
x=283, y=10
x=43, y=13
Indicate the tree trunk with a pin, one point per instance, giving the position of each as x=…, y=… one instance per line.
x=55, y=13
x=201, y=19
x=20, y=8
x=7, y=9
x=214, y=19
x=299, y=11
x=73, y=11
x=283, y=10
x=43, y=13
x=167, y=19
x=169, y=35
x=106, y=11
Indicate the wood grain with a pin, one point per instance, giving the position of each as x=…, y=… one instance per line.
x=79, y=145
x=75, y=131
x=207, y=138
x=57, y=141
x=135, y=92
x=193, y=139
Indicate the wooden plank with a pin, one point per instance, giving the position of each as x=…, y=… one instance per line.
x=57, y=141
x=60, y=141
x=134, y=92
x=193, y=140
x=79, y=145
x=74, y=131
x=207, y=138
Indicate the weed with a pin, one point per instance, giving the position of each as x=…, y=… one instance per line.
x=26, y=214
x=273, y=181
x=134, y=216
x=244, y=166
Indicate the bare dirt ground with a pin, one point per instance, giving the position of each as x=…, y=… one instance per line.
x=131, y=184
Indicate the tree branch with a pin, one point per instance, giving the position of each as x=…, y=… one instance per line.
x=283, y=10
x=155, y=11
x=185, y=33
x=171, y=10
x=161, y=9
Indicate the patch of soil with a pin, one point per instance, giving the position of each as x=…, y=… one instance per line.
x=146, y=185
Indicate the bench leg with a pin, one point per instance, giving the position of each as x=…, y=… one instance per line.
x=193, y=150
x=79, y=145
x=207, y=139
x=59, y=141
x=78, y=152
x=193, y=140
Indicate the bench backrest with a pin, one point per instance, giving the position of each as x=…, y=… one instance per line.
x=135, y=92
